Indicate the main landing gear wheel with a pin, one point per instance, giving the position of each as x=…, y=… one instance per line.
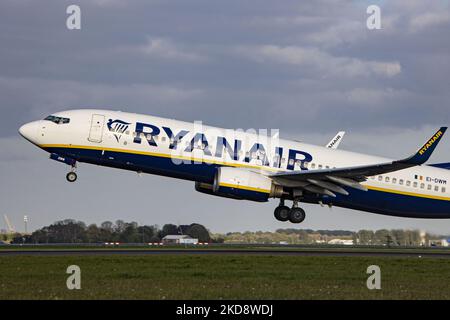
x=71, y=177
x=297, y=215
x=281, y=213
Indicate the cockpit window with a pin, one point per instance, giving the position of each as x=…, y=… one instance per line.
x=57, y=120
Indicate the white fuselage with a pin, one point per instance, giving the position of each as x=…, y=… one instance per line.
x=142, y=135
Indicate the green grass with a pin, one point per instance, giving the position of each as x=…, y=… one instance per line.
x=222, y=277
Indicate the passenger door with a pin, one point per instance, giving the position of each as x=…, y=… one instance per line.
x=96, y=131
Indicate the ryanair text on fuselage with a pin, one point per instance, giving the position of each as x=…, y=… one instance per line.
x=233, y=147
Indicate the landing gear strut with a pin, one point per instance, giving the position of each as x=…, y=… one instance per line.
x=72, y=175
x=294, y=214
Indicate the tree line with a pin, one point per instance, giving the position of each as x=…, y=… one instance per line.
x=383, y=237
x=72, y=231
x=396, y=237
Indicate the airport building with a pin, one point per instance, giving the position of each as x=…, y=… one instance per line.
x=179, y=239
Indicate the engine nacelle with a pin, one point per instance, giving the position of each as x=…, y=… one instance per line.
x=208, y=189
x=243, y=184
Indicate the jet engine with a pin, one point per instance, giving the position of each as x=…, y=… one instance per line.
x=241, y=184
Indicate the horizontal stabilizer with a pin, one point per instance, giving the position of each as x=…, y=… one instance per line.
x=445, y=165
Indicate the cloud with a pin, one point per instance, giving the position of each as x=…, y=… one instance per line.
x=162, y=48
x=45, y=96
x=320, y=61
x=428, y=20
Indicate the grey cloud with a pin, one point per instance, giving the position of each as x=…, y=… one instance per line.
x=321, y=62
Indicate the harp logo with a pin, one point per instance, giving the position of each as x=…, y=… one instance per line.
x=118, y=127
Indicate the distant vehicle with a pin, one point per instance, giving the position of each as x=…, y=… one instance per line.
x=248, y=166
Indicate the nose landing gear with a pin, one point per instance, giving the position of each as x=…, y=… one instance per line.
x=294, y=214
x=72, y=175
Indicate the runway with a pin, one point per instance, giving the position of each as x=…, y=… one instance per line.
x=309, y=252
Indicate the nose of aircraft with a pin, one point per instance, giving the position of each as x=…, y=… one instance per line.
x=30, y=131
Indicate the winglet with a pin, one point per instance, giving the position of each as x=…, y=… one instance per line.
x=424, y=153
x=334, y=143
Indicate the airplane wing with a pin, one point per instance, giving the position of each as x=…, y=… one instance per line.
x=331, y=181
x=334, y=143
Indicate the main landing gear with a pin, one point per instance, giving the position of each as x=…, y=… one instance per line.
x=294, y=214
x=72, y=175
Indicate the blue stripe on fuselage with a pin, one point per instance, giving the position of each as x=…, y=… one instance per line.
x=392, y=204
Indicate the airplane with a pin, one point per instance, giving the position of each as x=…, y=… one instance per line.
x=246, y=165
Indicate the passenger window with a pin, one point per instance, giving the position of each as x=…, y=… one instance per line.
x=415, y=184
x=436, y=188
x=387, y=179
x=394, y=180
x=320, y=166
x=313, y=165
x=380, y=178
x=408, y=183
x=400, y=182
x=429, y=187
x=443, y=189
x=422, y=185
x=328, y=167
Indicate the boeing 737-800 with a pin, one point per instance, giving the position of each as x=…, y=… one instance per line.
x=248, y=166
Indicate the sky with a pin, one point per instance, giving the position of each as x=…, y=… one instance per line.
x=307, y=68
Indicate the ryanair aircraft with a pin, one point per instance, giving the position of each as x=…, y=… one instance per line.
x=248, y=166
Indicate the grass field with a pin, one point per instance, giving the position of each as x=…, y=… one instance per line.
x=222, y=277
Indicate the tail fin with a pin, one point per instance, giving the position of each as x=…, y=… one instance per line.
x=424, y=153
